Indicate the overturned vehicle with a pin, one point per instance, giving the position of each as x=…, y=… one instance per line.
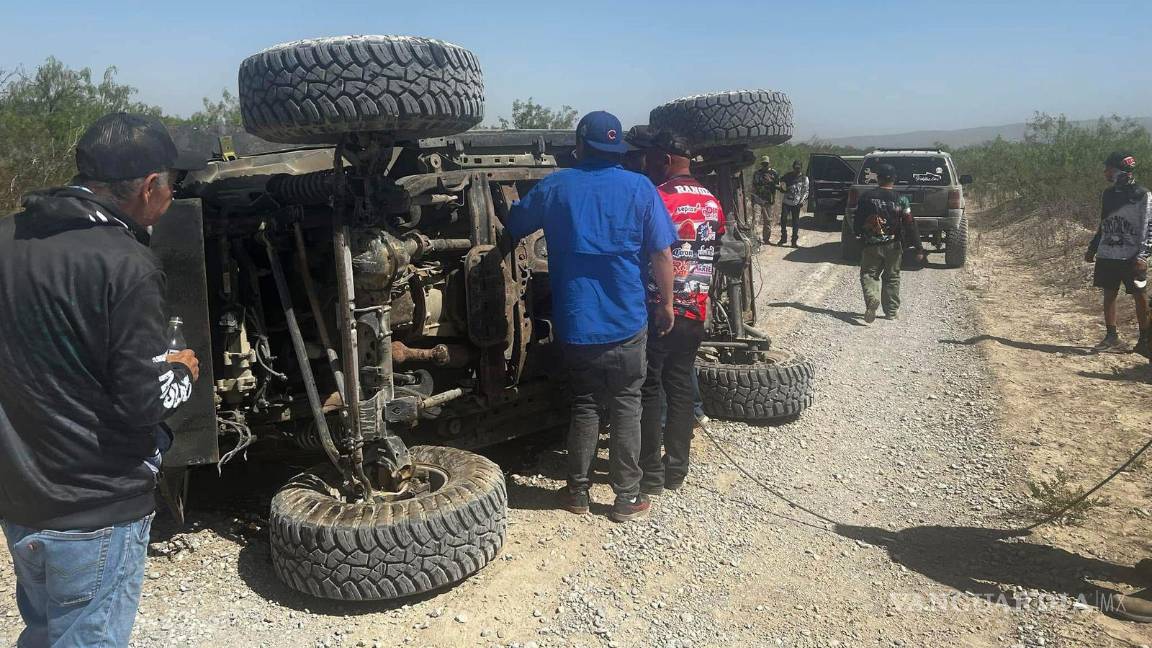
x=354, y=295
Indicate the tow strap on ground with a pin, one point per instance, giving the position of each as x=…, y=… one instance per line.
x=1009, y=533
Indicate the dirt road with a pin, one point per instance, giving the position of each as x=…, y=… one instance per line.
x=901, y=459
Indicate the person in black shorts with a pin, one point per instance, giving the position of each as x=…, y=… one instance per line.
x=1121, y=248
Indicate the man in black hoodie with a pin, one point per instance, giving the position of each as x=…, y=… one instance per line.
x=86, y=384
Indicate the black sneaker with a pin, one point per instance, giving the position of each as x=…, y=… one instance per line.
x=1111, y=342
x=795, y=243
x=626, y=511
x=674, y=484
x=891, y=316
x=573, y=501
x=782, y=242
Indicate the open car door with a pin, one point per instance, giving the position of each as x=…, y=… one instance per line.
x=831, y=177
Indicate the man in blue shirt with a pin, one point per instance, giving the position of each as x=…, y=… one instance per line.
x=604, y=225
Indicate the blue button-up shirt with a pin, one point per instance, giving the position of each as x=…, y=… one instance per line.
x=601, y=223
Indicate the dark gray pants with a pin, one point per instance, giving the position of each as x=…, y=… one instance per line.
x=608, y=377
x=671, y=369
x=792, y=211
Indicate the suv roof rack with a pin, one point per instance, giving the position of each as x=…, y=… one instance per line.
x=910, y=148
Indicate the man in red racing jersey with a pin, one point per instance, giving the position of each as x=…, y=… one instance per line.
x=698, y=221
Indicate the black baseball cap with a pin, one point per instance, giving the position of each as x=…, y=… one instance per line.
x=124, y=146
x=639, y=138
x=602, y=131
x=672, y=144
x=1121, y=160
x=886, y=171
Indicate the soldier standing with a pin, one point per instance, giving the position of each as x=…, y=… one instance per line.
x=765, y=184
x=885, y=226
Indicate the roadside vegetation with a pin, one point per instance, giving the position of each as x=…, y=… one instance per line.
x=1057, y=164
x=784, y=154
x=44, y=112
x=1049, y=496
x=1045, y=189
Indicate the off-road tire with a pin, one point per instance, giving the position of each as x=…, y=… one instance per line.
x=850, y=247
x=749, y=118
x=358, y=552
x=314, y=91
x=778, y=388
x=956, y=245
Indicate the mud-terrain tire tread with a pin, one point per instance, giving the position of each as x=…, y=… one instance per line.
x=314, y=91
x=757, y=392
x=359, y=552
x=740, y=118
x=956, y=245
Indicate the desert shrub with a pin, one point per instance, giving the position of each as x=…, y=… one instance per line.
x=1056, y=170
x=1050, y=496
x=43, y=114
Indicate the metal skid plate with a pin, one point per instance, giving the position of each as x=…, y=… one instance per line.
x=178, y=242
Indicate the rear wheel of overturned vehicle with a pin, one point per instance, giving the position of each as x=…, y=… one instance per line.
x=778, y=387
x=742, y=118
x=395, y=546
x=315, y=91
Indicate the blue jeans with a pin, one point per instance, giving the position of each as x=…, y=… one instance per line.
x=78, y=588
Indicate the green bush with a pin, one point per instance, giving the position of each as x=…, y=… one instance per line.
x=783, y=154
x=1057, y=167
x=43, y=114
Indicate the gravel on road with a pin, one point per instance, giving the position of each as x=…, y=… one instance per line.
x=899, y=449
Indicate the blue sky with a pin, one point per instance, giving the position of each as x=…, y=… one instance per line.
x=851, y=68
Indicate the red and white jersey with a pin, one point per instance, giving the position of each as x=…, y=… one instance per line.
x=699, y=222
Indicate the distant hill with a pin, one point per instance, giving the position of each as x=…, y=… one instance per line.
x=960, y=137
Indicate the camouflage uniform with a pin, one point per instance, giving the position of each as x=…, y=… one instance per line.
x=765, y=184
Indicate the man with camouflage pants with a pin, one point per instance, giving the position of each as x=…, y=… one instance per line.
x=765, y=184
x=885, y=226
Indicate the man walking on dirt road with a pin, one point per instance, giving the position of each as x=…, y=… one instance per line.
x=1121, y=247
x=86, y=384
x=699, y=222
x=795, y=195
x=886, y=228
x=604, y=225
x=765, y=184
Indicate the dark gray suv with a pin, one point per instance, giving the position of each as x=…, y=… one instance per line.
x=928, y=177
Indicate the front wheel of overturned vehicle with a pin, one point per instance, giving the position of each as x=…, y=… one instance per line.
x=391, y=547
x=779, y=387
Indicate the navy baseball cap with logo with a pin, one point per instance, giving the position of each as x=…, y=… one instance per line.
x=123, y=146
x=602, y=131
